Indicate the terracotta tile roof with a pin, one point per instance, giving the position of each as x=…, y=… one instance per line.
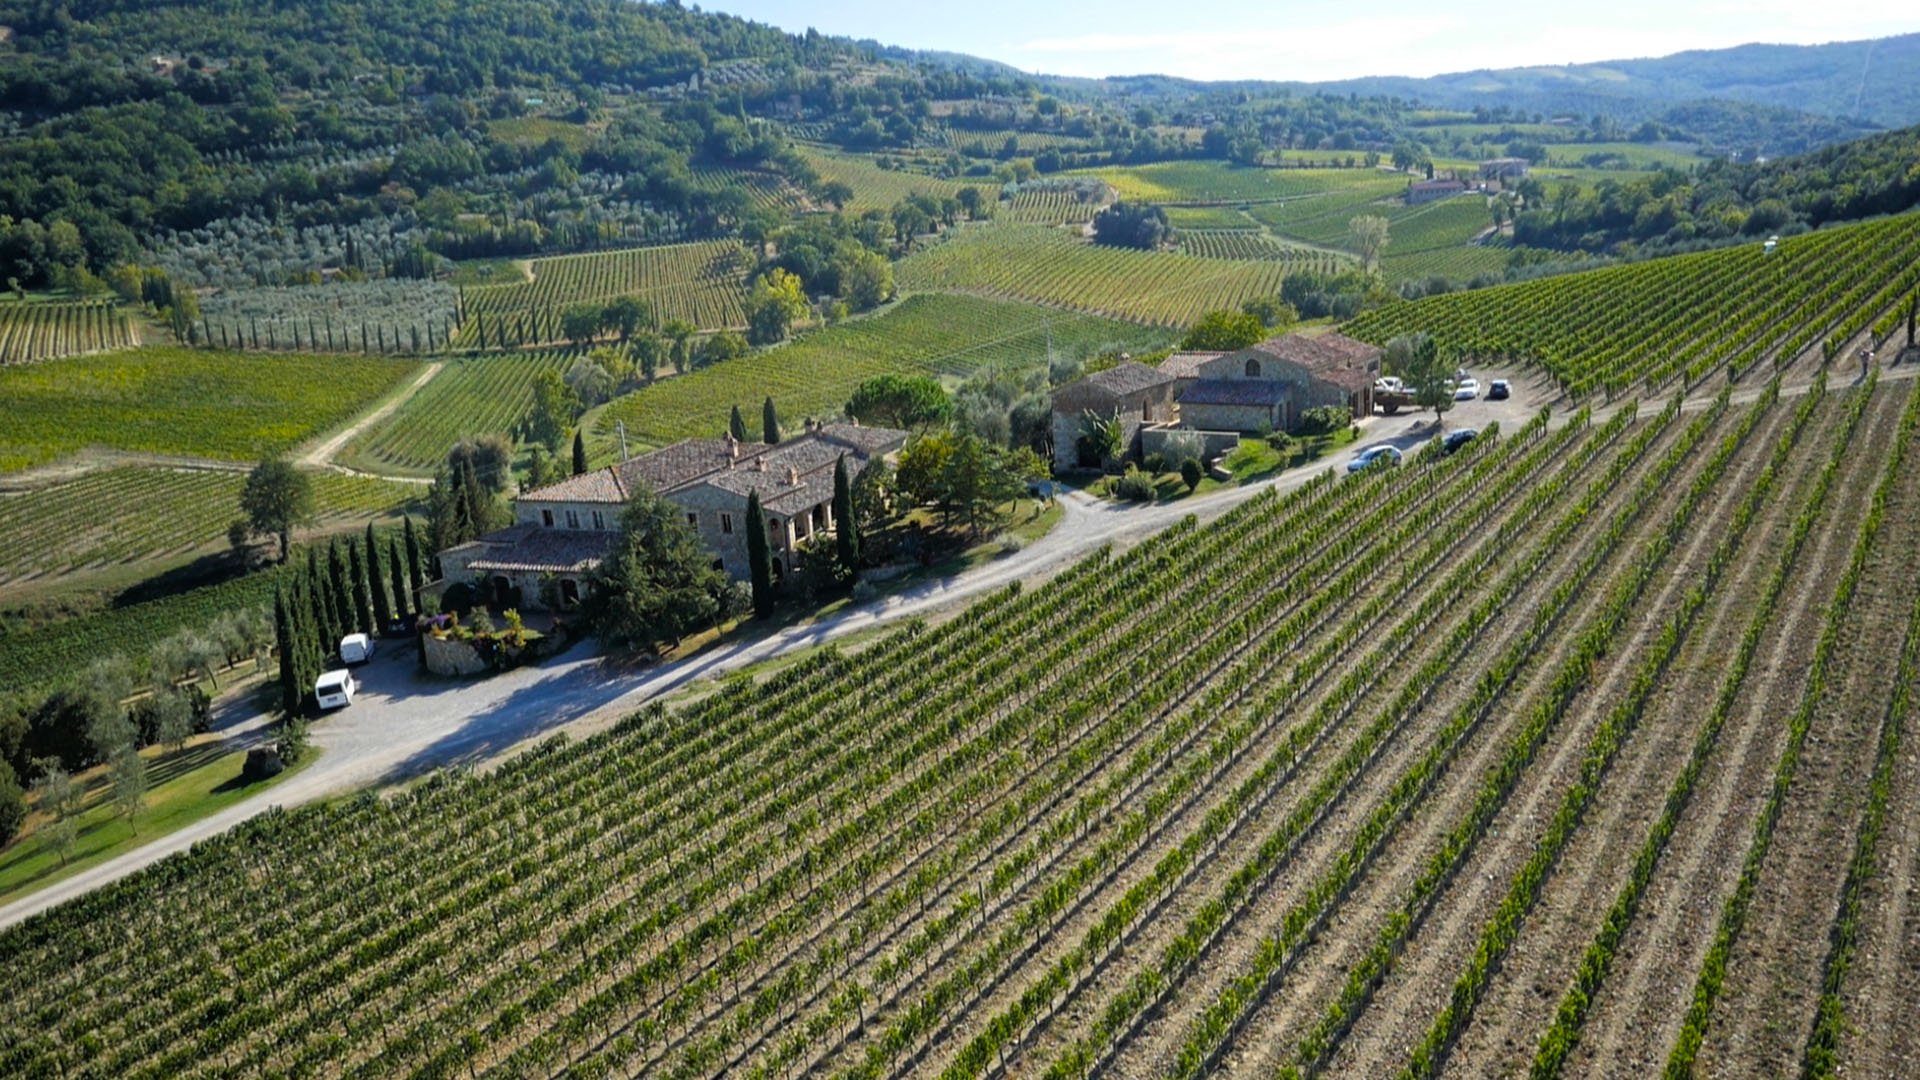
x=692, y=460
x=1235, y=392
x=1332, y=357
x=530, y=548
x=1186, y=365
x=1128, y=378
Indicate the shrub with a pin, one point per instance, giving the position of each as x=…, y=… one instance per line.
x=1156, y=463
x=1134, y=486
x=1324, y=419
x=1190, y=473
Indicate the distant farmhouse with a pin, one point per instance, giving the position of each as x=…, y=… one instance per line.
x=1426, y=191
x=1265, y=387
x=562, y=531
x=1506, y=168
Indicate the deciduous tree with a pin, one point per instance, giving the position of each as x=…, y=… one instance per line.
x=276, y=498
x=657, y=583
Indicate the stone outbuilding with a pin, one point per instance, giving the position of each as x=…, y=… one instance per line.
x=1266, y=387
x=562, y=531
x=1132, y=391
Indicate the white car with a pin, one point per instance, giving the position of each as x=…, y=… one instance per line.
x=356, y=649
x=1372, y=455
x=1467, y=390
x=335, y=689
x=1390, y=383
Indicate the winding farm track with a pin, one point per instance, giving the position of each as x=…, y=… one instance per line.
x=321, y=455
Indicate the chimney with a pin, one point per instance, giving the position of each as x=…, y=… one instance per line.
x=733, y=447
x=760, y=463
x=793, y=476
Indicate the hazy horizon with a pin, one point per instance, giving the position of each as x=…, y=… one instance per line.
x=1242, y=39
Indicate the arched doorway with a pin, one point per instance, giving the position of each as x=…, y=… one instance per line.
x=502, y=591
x=569, y=593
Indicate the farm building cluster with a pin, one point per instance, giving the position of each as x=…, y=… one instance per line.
x=1264, y=387
x=562, y=531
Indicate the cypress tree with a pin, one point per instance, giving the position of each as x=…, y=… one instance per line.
x=340, y=585
x=283, y=640
x=477, y=499
x=320, y=598
x=377, y=584
x=362, y=593
x=769, y=423
x=759, y=560
x=579, y=452
x=737, y=425
x=397, y=567
x=416, y=569
x=846, y=529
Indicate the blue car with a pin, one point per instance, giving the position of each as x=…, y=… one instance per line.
x=1373, y=455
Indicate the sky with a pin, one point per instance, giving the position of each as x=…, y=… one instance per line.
x=1313, y=42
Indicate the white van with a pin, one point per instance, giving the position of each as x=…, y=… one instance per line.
x=335, y=689
x=356, y=649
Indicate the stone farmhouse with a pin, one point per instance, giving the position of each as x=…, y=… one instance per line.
x=1426, y=191
x=1267, y=386
x=562, y=531
x=1135, y=392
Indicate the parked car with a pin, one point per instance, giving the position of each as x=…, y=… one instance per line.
x=1467, y=390
x=335, y=689
x=356, y=649
x=1390, y=383
x=1373, y=454
x=1498, y=390
x=1457, y=439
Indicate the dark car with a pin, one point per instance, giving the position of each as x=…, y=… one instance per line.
x=1457, y=439
x=1499, y=391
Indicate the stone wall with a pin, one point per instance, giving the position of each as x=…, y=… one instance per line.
x=1153, y=440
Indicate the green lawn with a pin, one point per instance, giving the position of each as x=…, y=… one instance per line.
x=186, y=787
x=183, y=401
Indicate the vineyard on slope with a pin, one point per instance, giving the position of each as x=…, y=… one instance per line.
x=1649, y=324
x=488, y=394
x=941, y=335
x=1047, y=266
x=702, y=283
x=136, y=513
x=969, y=848
x=39, y=330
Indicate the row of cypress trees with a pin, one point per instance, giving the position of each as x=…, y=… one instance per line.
x=353, y=590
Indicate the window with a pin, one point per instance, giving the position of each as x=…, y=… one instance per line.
x=693, y=521
x=1253, y=369
x=598, y=521
x=546, y=518
x=573, y=519
x=726, y=523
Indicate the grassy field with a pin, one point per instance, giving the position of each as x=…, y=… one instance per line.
x=183, y=401
x=1634, y=155
x=1047, y=266
x=1209, y=217
x=486, y=394
x=532, y=132
x=1215, y=182
x=931, y=335
x=201, y=779
x=137, y=514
